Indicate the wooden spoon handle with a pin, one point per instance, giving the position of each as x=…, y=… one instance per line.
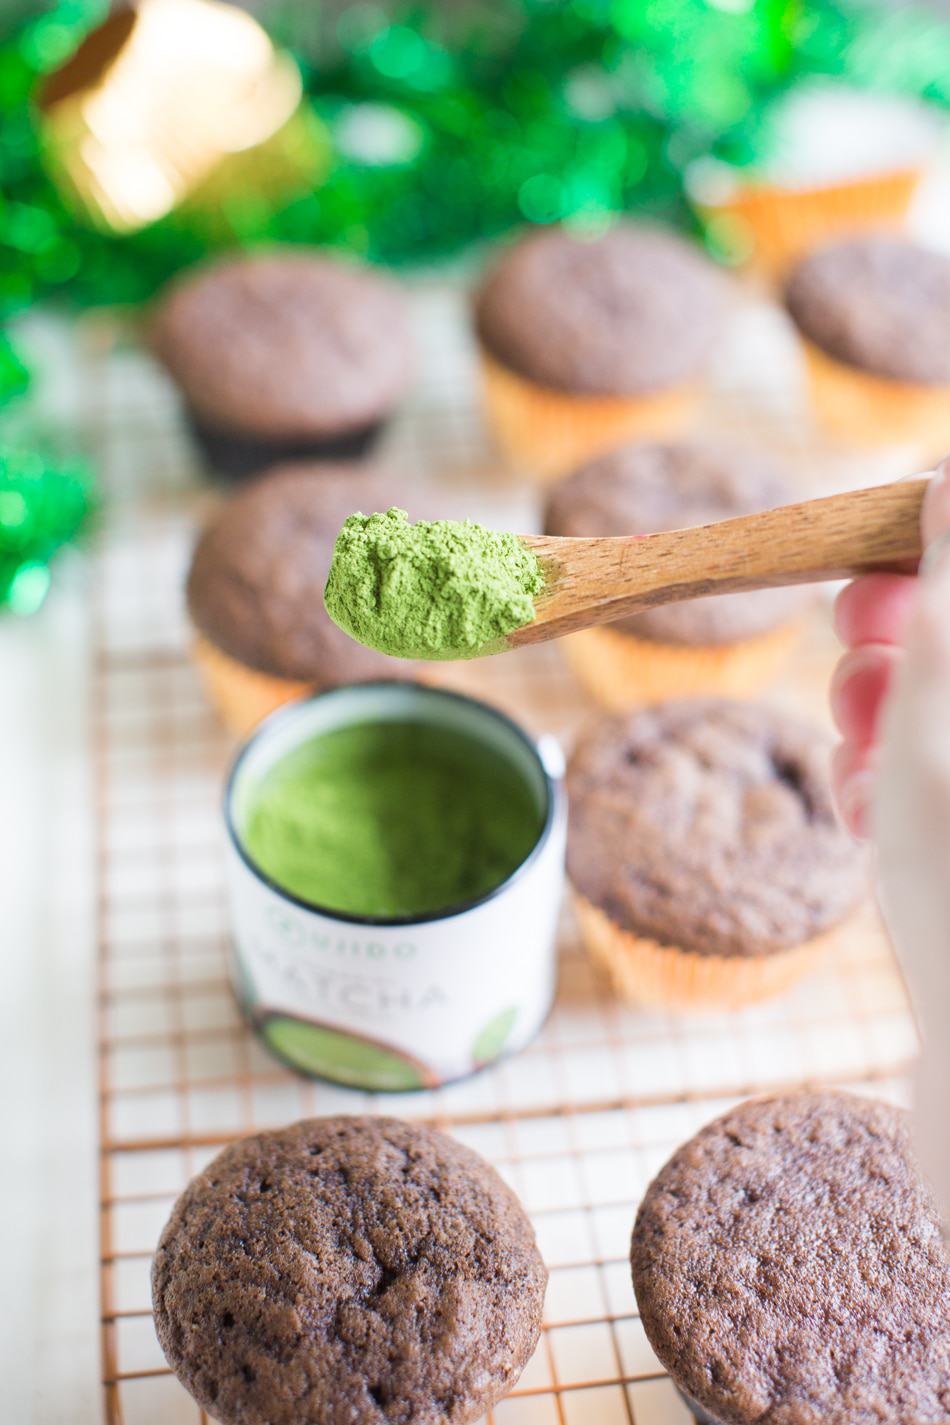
x=832, y=538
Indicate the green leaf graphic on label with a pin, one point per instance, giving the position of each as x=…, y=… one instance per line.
x=330, y=1054
x=493, y=1038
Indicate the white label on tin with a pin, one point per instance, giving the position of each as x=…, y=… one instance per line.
x=399, y=1007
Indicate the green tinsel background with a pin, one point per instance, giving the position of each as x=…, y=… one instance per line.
x=492, y=114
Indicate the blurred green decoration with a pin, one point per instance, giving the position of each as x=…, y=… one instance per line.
x=45, y=504
x=450, y=124
x=902, y=49
x=14, y=372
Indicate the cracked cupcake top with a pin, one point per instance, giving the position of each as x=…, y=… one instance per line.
x=790, y=1268
x=348, y=1270
x=637, y=308
x=880, y=303
x=285, y=343
x=255, y=587
x=709, y=825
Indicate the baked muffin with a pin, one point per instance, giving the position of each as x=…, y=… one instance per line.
x=874, y=315
x=284, y=355
x=790, y=1268
x=731, y=644
x=839, y=162
x=708, y=868
x=347, y=1271
x=589, y=341
x=255, y=592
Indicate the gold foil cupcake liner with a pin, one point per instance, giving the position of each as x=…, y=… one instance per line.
x=549, y=433
x=666, y=977
x=242, y=696
x=174, y=104
x=780, y=225
x=860, y=408
x=621, y=671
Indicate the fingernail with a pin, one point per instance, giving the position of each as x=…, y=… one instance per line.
x=859, y=685
x=854, y=800
x=936, y=516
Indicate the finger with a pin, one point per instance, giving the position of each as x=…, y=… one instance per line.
x=929, y=632
x=936, y=513
x=859, y=687
x=875, y=609
x=852, y=780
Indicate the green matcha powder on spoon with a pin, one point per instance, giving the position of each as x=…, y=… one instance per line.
x=433, y=590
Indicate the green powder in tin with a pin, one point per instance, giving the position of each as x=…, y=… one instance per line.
x=430, y=590
x=390, y=819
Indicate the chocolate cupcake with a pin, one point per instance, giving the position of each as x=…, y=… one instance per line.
x=874, y=314
x=790, y=1269
x=284, y=355
x=586, y=342
x=255, y=592
x=732, y=644
x=708, y=867
x=347, y=1271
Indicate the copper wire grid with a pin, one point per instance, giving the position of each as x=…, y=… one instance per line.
x=578, y=1122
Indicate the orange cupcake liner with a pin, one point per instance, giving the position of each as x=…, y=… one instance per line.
x=863, y=409
x=549, y=433
x=242, y=696
x=666, y=977
x=780, y=225
x=621, y=671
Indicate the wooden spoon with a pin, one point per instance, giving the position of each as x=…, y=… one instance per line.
x=591, y=581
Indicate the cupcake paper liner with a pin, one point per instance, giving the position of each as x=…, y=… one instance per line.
x=242, y=696
x=548, y=433
x=863, y=409
x=781, y=225
x=238, y=456
x=665, y=976
x=621, y=671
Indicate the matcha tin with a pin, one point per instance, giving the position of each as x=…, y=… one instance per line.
x=395, y=867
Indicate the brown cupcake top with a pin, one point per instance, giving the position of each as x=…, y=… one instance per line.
x=645, y=488
x=634, y=310
x=790, y=1268
x=709, y=825
x=255, y=588
x=285, y=344
x=879, y=303
x=347, y=1271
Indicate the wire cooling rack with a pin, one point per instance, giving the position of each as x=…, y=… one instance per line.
x=581, y=1119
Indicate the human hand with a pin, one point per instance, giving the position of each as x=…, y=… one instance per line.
x=891, y=700
x=874, y=618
